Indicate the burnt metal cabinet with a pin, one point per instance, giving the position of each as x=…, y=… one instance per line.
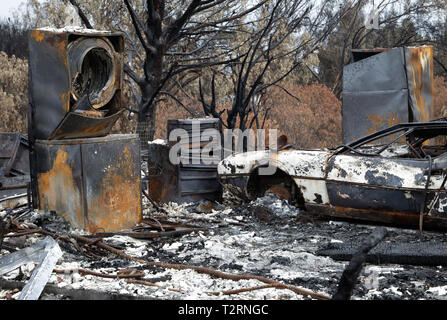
x=184, y=182
x=94, y=183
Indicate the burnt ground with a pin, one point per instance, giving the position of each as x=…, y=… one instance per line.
x=266, y=237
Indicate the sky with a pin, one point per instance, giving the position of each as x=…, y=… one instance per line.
x=6, y=6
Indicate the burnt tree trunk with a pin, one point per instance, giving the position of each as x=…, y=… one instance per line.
x=153, y=69
x=147, y=109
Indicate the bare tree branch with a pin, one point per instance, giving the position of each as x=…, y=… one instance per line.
x=81, y=14
x=137, y=25
x=194, y=114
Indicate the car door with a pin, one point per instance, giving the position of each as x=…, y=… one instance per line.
x=380, y=183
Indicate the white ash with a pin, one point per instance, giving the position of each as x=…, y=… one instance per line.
x=438, y=291
x=158, y=141
x=278, y=206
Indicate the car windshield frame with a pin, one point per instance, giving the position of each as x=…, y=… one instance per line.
x=415, y=133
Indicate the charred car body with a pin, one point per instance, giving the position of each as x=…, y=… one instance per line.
x=398, y=182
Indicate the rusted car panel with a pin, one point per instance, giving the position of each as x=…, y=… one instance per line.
x=74, y=73
x=383, y=87
x=94, y=183
x=390, y=183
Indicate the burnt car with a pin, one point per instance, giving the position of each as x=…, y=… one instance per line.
x=396, y=175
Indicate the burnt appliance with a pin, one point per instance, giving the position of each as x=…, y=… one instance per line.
x=79, y=169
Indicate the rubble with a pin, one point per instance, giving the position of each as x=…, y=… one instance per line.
x=14, y=169
x=46, y=253
x=232, y=241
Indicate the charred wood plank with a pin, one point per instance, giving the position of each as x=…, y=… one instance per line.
x=149, y=235
x=350, y=274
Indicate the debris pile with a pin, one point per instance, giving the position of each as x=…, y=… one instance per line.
x=14, y=169
x=223, y=252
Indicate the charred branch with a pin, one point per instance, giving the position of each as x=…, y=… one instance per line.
x=210, y=109
x=138, y=28
x=349, y=277
x=81, y=14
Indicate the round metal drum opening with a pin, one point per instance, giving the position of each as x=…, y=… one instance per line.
x=92, y=70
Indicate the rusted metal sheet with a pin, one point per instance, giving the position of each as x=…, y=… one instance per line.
x=197, y=182
x=162, y=175
x=184, y=182
x=14, y=168
x=180, y=184
x=81, y=126
x=382, y=87
x=74, y=74
x=420, y=82
x=94, y=183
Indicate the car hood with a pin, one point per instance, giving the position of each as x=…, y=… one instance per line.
x=299, y=163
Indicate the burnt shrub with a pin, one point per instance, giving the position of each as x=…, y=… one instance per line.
x=13, y=93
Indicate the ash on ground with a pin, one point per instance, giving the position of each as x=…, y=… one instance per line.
x=266, y=237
